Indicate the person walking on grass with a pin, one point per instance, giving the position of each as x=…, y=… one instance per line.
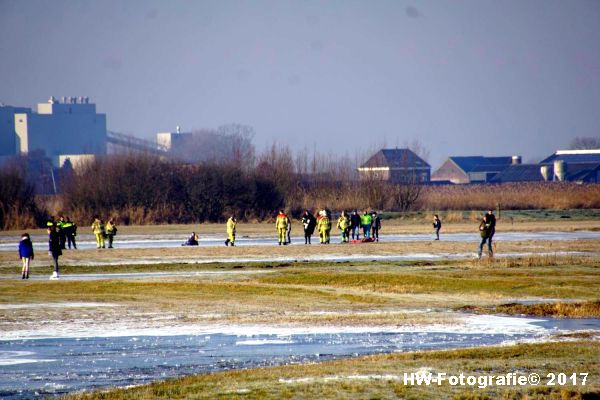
x=231, y=225
x=308, y=223
x=485, y=230
x=54, y=250
x=343, y=225
x=26, y=254
x=281, y=223
x=98, y=229
x=437, y=225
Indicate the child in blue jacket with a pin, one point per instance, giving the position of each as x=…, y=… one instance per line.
x=26, y=254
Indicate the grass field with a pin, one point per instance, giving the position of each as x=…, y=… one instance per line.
x=318, y=293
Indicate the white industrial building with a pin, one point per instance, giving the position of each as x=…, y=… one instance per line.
x=71, y=126
x=8, y=136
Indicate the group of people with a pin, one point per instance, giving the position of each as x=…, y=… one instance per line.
x=66, y=231
x=104, y=232
x=61, y=233
x=55, y=248
x=348, y=225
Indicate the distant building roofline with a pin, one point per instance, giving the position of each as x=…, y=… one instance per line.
x=566, y=152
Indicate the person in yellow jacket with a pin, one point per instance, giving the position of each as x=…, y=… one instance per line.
x=324, y=227
x=231, y=224
x=111, y=231
x=281, y=223
x=98, y=229
x=343, y=225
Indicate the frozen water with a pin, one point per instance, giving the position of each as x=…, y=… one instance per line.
x=55, y=366
x=163, y=241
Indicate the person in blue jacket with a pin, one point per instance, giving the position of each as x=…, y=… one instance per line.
x=26, y=254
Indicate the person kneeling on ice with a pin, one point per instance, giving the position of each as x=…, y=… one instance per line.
x=343, y=225
x=192, y=240
x=324, y=227
x=281, y=223
x=231, y=224
x=26, y=254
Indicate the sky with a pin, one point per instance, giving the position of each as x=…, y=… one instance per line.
x=462, y=77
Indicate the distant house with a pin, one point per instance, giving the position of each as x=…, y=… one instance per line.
x=395, y=165
x=473, y=169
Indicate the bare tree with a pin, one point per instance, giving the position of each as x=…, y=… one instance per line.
x=227, y=145
x=585, y=143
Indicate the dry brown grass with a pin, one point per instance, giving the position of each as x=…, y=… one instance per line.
x=512, y=196
x=590, y=309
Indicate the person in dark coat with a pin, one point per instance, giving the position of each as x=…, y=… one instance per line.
x=355, y=225
x=309, y=222
x=437, y=225
x=375, y=226
x=71, y=231
x=485, y=231
x=492, y=221
x=54, y=249
x=26, y=254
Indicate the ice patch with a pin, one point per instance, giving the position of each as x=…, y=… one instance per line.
x=262, y=342
x=473, y=324
x=16, y=358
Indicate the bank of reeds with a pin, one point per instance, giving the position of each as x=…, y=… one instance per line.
x=512, y=196
x=588, y=309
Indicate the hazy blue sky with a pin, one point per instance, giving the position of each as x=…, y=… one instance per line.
x=464, y=77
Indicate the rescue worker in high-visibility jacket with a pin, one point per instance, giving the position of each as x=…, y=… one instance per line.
x=71, y=230
x=98, y=229
x=343, y=225
x=324, y=227
x=231, y=224
x=62, y=232
x=281, y=223
x=366, y=220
